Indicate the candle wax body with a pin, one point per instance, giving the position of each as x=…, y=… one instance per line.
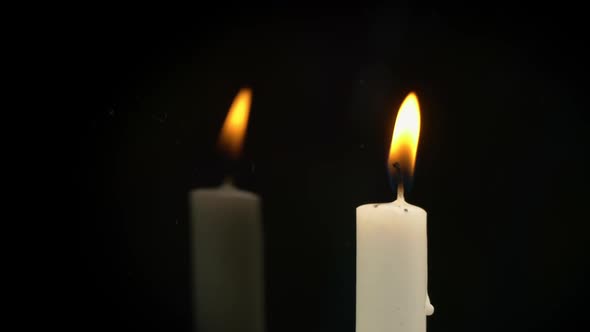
x=391, y=268
x=227, y=261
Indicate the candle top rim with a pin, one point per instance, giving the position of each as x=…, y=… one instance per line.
x=224, y=191
x=392, y=206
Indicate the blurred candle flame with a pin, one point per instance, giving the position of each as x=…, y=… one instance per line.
x=404, y=143
x=233, y=131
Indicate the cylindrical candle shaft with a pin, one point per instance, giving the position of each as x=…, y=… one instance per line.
x=391, y=270
x=227, y=260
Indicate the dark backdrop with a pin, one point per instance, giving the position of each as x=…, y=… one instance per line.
x=501, y=165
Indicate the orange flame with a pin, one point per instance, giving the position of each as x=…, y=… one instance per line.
x=233, y=131
x=406, y=132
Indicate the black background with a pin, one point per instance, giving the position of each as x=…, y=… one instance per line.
x=501, y=165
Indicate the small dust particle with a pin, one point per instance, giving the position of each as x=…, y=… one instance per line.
x=406, y=210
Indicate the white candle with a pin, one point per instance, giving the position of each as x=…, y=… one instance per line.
x=227, y=244
x=391, y=286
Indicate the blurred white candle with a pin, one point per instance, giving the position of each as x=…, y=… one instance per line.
x=391, y=271
x=227, y=244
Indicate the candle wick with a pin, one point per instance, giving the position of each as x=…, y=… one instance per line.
x=400, y=181
x=400, y=191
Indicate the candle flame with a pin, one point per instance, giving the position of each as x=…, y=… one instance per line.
x=404, y=143
x=233, y=131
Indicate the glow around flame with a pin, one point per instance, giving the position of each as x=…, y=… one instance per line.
x=404, y=142
x=233, y=131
